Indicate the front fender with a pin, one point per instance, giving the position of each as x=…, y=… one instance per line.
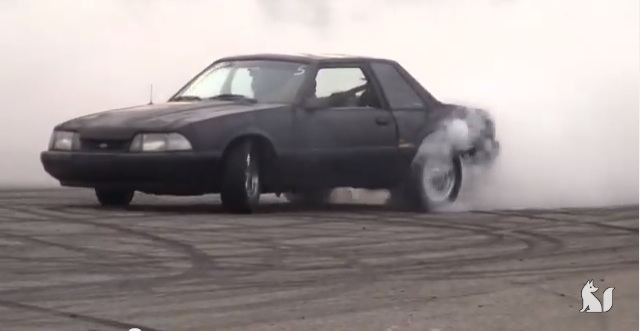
x=214, y=135
x=247, y=133
x=272, y=125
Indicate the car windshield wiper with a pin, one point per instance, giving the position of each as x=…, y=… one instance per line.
x=187, y=98
x=233, y=97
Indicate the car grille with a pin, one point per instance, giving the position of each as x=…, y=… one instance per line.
x=103, y=145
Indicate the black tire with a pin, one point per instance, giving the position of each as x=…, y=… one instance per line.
x=309, y=198
x=241, y=183
x=414, y=194
x=114, y=197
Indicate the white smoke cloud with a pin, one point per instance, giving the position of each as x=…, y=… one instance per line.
x=560, y=77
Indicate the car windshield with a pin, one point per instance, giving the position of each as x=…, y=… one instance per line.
x=256, y=80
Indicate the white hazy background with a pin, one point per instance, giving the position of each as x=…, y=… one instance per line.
x=561, y=77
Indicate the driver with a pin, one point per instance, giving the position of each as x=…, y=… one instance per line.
x=337, y=99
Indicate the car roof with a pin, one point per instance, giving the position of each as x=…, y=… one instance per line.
x=304, y=57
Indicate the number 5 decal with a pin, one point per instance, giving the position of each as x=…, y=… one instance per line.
x=300, y=71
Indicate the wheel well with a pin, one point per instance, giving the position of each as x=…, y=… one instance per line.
x=266, y=151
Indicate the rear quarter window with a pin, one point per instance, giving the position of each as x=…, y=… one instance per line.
x=398, y=91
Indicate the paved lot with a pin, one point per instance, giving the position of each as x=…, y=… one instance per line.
x=183, y=264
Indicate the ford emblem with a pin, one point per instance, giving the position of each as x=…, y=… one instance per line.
x=103, y=145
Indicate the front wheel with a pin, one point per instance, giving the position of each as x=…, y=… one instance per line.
x=241, y=184
x=114, y=197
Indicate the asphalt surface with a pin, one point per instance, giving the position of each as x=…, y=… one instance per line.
x=183, y=264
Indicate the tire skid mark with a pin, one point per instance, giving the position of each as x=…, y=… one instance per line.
x=530, y=247
x=372, y=270
x=70, y=264
x=83, y=250
x=363, y=306
x=315, y=295
x=559, y=220
x=531, y=240
x=48, y=213
x=86, y=318
x=553, y=244
x=410, y=274
x=194, y=271
x=16, y=213
x=475, y=242
x=199, y=262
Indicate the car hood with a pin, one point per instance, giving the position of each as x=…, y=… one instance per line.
x=159, y=116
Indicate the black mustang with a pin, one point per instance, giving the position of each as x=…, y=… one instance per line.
x=299, y=125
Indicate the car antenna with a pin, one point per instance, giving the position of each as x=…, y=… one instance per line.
x=151, y=95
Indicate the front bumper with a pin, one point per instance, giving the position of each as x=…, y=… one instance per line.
x=160, y=173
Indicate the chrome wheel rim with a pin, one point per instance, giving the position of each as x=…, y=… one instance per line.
x=252, y=179
x=438, y=180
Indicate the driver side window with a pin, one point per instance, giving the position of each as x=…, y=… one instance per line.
x=337, y=81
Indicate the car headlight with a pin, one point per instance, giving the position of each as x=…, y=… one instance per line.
x=64, y=141
x=160, y=142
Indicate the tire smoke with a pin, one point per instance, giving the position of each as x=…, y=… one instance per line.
x=559, y=77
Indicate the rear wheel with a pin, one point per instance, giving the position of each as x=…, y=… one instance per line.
x=114, y=197
x=433, y=183
x=241, y=183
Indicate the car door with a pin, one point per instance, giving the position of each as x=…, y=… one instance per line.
x=349, y=143
x=412, y=113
